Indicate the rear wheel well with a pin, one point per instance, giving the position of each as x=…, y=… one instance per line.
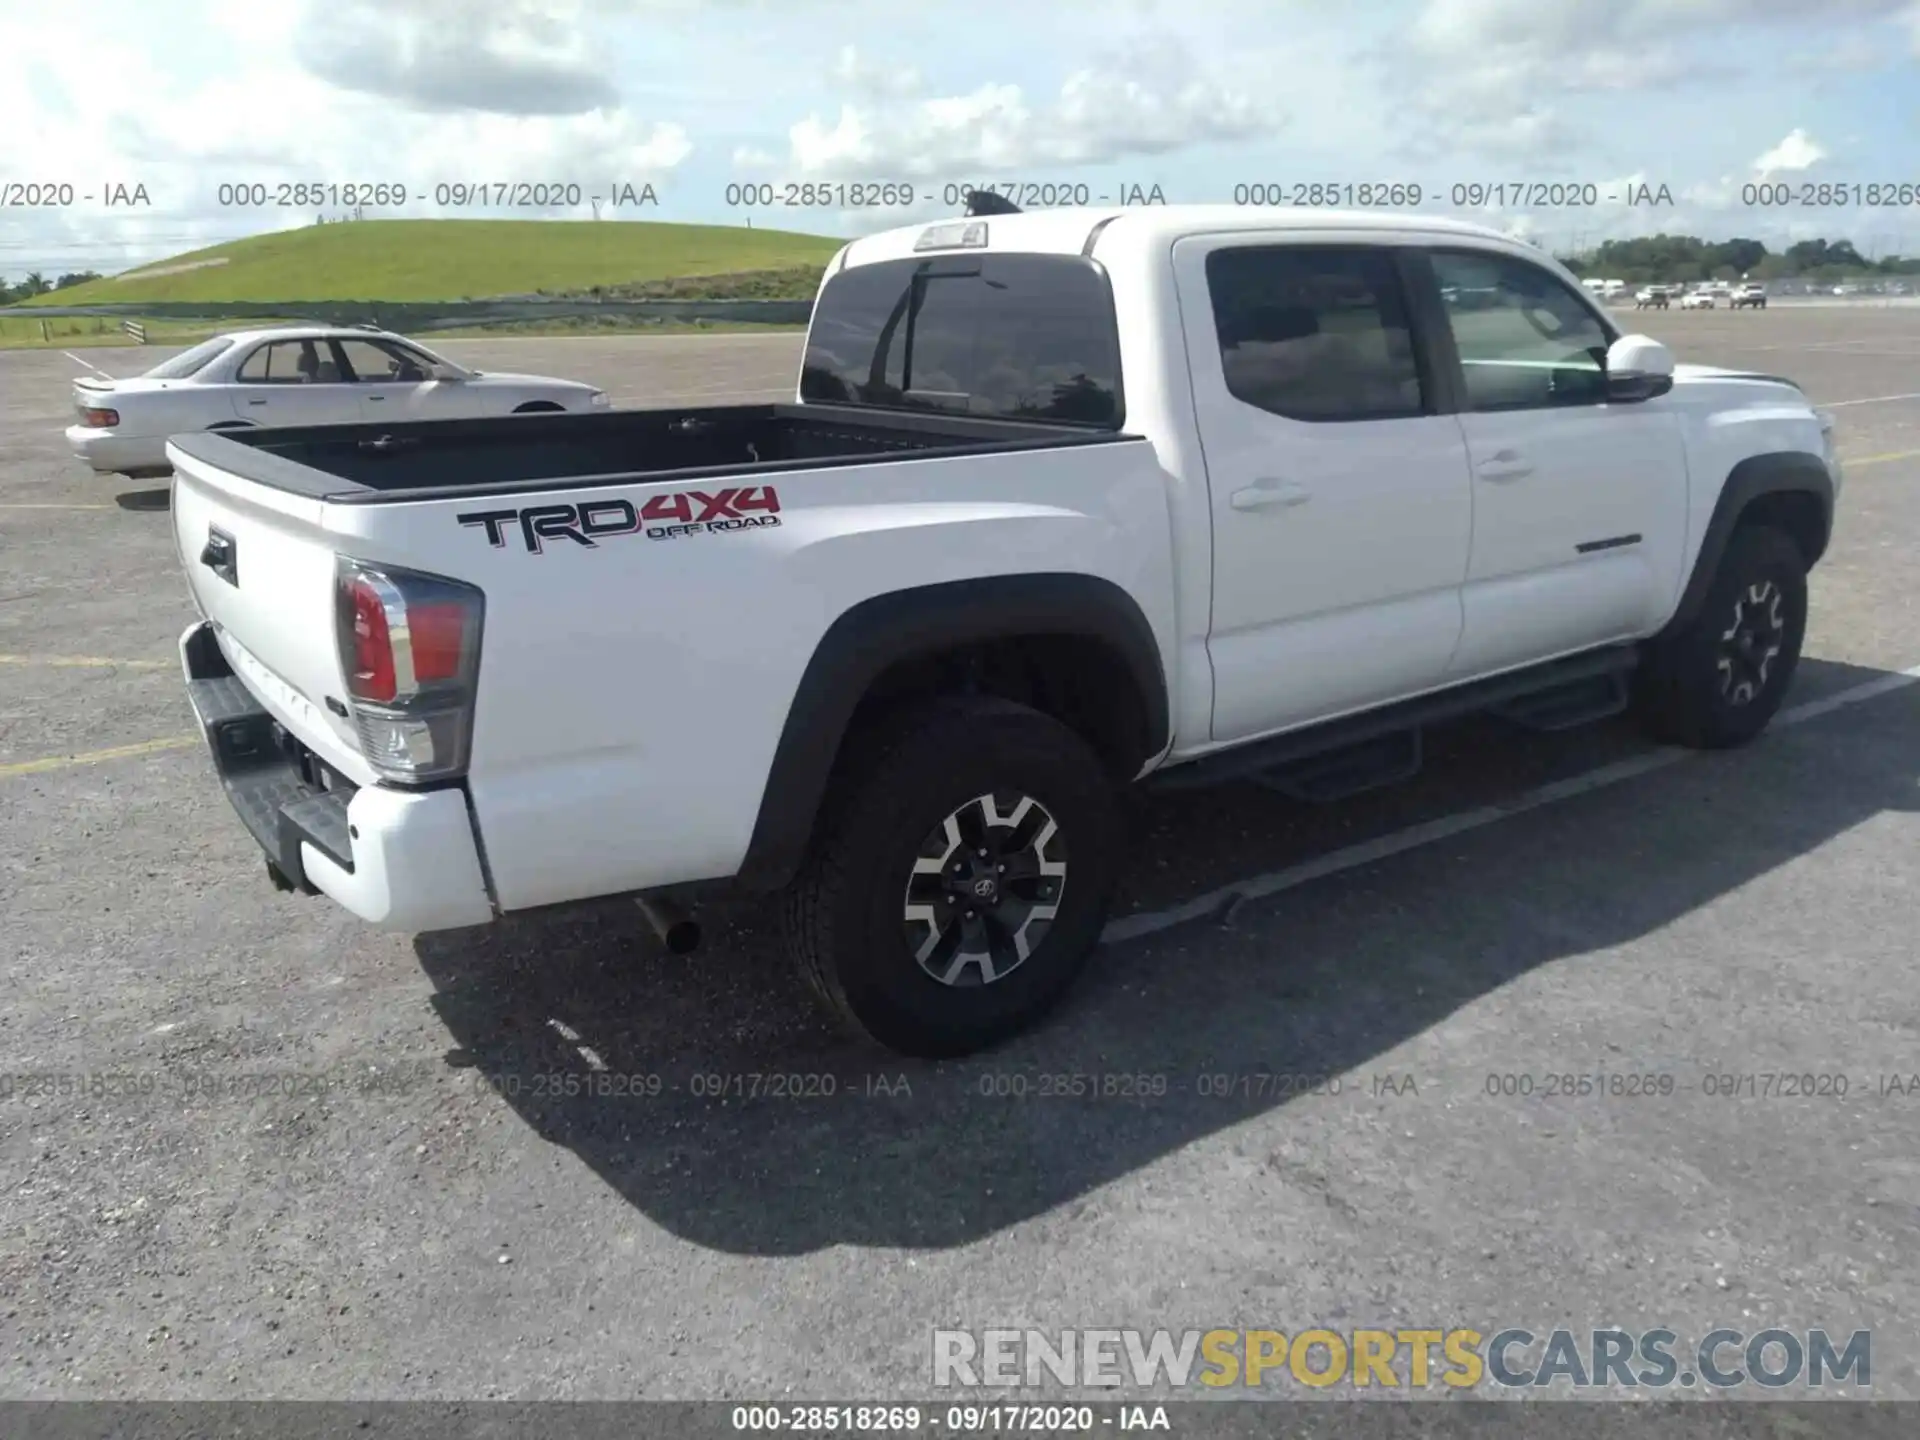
x=1798, y=514
x=537, y=407
x=1080, y=681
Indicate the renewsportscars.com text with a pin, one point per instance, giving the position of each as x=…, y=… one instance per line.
x=1454, y=1358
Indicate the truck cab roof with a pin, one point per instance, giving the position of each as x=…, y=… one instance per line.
x=1074, y=231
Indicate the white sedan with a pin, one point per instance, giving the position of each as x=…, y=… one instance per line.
x=1697, y=300
x=308, y=375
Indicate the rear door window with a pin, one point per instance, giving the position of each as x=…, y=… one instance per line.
x=1022, y=337
x=1316, y=333
x=290, y=362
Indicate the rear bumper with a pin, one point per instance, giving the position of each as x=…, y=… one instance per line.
x=398, y=859
x=111, y=453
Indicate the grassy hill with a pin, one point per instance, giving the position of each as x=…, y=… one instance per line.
x=474, y=259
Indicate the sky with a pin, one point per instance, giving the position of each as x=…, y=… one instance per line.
x=1730, y=105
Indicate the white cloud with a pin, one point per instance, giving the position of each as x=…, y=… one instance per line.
x=1486, y=76
x=1798, y=151
x=518, y=57
x=860, y=76
x=698, y=93
x=1097, y=117
x=176, y=134
x=1851, y=53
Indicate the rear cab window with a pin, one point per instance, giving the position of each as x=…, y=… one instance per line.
x=1007, y=336
x=191, y=362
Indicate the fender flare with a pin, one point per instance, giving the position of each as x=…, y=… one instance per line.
x=1778, y=472
x=880, y=632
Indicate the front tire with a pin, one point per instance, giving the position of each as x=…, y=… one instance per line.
x=959, y=879
x=1717, y=683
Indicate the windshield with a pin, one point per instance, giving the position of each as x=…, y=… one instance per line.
x=1024, y=337
x=189, y=362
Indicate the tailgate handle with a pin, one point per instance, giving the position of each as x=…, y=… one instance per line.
x=221, y=556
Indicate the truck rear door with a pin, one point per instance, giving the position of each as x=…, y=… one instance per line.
x=1342, y=507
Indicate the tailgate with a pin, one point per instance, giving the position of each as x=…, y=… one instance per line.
x=261, y=568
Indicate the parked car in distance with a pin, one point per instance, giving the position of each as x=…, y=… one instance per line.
x=293, y=375
x=1697, y=300
x=1650, y=297
x=1168, y=495
x=1748, y=297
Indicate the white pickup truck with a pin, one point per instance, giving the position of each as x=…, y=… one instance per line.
x=1066, y=501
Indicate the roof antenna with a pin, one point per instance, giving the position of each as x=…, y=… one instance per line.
x=988, y=202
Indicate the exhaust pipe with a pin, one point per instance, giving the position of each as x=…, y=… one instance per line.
x=677, y=929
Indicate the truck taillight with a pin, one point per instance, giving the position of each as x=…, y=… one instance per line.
x=410, y=653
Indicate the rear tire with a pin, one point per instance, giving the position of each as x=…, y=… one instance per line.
x=885, y=920
x=1719, y=682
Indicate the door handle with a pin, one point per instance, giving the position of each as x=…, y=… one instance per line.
x=256, y=402
x=1504, y=465
x=376, y=398
x=1271, y=494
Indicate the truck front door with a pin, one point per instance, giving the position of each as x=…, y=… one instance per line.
x=1580, y=504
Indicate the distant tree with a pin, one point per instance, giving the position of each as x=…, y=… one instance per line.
x=1686, y=258
x=75, y=277
x=1841, y=252
x=34, y=284
x=1804, y=255
x=1737, y=255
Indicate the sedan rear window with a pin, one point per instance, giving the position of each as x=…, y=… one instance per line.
x=190, y=362
x=1019, y=337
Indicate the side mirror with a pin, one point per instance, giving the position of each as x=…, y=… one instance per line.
x=1638, y=368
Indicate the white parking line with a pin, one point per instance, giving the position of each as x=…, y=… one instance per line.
x=1224, y=901
x=1870, y=400
x=78, y=361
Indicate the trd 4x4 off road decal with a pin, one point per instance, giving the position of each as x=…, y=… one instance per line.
x=661, y=517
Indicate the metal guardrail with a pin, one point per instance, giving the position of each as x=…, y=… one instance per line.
x=437, y=315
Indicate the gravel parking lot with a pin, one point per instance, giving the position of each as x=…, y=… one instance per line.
x=316, y=1161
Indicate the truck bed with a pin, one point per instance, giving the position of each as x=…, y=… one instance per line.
x=436, y=459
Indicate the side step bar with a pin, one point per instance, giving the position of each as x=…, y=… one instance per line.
x=1580, y=702
x=1345, y=757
